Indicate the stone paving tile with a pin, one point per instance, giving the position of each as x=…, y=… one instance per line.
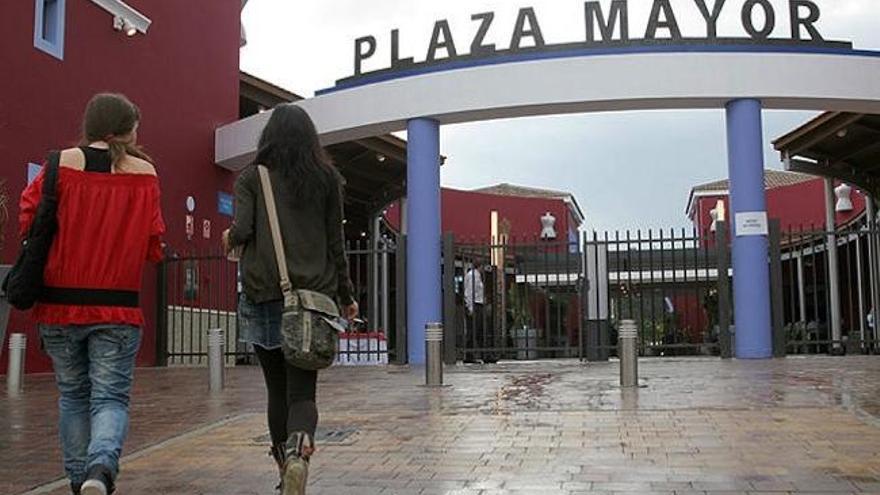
x=699, y=426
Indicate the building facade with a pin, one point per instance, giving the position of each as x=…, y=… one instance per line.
x=523, y=212
x=183, y=74
x=797, y=200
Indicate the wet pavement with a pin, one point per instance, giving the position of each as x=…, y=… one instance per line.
x=799, y=425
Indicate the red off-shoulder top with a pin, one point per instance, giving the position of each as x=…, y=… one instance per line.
x=109, y=226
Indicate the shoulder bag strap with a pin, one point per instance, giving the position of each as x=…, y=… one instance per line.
x=272, y=211
x=49, y=194
x=47, y=208
x=53, y=163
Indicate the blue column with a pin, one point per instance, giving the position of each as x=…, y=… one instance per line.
x=751, y=275
x=423, y=291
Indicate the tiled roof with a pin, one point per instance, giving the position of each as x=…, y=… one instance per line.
x=523, y=192
x=772, y=180
x=533, y=192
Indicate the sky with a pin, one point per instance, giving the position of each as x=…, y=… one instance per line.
x=628, y=170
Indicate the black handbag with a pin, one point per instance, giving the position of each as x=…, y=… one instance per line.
x=24, y=283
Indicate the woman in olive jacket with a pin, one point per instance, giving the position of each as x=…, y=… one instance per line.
x=308, y=192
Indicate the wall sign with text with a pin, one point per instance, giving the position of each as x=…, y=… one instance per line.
x=225, y=204
x=752, y=223
x=608, y=27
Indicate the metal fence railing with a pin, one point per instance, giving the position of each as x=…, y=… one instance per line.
x=197, y=292
x=532, y=299
x=829, y=289
x=666, y=281
x=200, y=291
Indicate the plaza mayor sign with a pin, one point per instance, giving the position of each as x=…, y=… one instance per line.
x=604, y=28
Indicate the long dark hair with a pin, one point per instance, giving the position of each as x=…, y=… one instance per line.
x=110, y=118
x=290, y=143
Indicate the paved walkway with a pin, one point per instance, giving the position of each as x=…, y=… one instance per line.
x=800, y=425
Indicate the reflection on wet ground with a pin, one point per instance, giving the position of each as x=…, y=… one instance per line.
x=694, y=426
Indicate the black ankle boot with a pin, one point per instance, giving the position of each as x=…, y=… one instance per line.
x=279, y=453
x=299, y=449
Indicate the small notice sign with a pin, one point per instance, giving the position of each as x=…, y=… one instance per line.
x=751, y=223
x=225, y=203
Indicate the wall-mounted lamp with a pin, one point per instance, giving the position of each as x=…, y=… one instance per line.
x=126, y=19
x=381, y=158
x=124, y=25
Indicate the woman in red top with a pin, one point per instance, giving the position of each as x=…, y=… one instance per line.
x=109, y=225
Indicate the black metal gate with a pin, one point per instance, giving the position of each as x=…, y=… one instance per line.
x=665, y=281
x=515, y=300
x=551, y=299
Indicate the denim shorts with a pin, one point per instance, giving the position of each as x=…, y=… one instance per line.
x=259, y=323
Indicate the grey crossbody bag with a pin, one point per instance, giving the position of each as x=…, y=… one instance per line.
x=309, y=328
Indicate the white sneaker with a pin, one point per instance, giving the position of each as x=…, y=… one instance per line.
x=94, y=487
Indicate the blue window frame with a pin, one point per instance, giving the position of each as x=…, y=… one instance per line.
x=49, y=27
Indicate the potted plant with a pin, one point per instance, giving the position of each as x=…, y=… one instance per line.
x=4, y=269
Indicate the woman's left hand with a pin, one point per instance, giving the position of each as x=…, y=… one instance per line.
x=351, y=311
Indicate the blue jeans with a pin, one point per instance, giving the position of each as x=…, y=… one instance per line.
x=93, y=368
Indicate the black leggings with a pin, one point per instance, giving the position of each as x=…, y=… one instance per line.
x=291, y=390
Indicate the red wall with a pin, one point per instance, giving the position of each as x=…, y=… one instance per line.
x=803, y=205
x=183, y=74
x=468, y=214
x=796, y=206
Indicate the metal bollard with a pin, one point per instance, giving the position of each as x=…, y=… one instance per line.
x=434, y=354
x=216, y=367
x=627, y=346
x=15, y=372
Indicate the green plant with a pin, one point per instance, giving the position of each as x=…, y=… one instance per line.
x=518, y=306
